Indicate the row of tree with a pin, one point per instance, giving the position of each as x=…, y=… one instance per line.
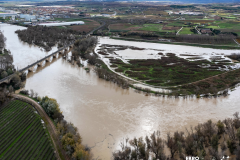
x=226, y=39
x=207, y=141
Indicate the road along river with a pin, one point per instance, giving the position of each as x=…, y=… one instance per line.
x=105, y=113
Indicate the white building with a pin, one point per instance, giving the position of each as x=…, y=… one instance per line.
x=62, y=23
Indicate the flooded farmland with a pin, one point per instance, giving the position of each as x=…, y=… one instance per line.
x=105, y=113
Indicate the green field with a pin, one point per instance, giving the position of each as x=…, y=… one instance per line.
x=185, y=30
x=229, y=25
x=22, y=134
x=178, y=24
x=152, y=27
x=213, y=27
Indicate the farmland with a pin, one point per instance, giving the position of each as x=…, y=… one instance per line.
x=152, y=27
x=23, y=133
x=87, y=27
x=185, y=30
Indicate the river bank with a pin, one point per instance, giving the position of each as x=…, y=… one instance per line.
x=180, y=43
x=105, y=113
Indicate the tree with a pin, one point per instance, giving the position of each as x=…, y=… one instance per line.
x=231, y=145
x=156, y=145
x=51, y=107
x=4, y=74
x=214, y=142
x=10, y=88
x=220, y=126
x=125, y=151
x=31, y=93
x=68, y=143
x=16, y=80
x=80, y=153
x=2, y=97
x=238, y=135
x=171, y=144
x=9, y=71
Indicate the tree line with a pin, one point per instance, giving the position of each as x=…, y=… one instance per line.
x=206, y=140
x=204, y=39
x=47, y=37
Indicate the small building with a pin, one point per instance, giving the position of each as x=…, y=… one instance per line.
x=4, y=15
x=206, y=31
x=217, y=18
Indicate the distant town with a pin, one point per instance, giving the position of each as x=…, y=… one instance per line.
x=104, y=80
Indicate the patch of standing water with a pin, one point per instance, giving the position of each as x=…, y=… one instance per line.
x=105, y=113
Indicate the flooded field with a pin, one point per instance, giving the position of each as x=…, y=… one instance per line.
x=104, y=113
x=127, y=50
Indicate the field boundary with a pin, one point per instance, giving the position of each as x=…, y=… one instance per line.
x=51, y=127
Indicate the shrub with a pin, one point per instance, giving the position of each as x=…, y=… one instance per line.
x=119, y=70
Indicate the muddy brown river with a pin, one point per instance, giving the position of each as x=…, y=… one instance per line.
x=105, y=113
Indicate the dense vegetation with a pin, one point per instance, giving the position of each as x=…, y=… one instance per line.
x=214, y=84
x=207, y=141
x=83, y=47
x=23, y=136
x=47, y=37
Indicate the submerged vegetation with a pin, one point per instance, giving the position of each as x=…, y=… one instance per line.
x=207, y=141
x=183, y=74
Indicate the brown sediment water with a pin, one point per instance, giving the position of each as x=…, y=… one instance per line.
x=105, y=113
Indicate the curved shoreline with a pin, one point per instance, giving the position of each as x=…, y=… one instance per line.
x=161, y=89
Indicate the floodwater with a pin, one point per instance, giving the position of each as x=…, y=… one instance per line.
x=103, y=112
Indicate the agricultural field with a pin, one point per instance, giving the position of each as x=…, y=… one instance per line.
x=23, y=133
x=126, y=27
x=87, y=27
x=152, y=27
x=213, y=27
x=121, y=27
x=229, y=25
x=175, y=24
x=185, y=30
